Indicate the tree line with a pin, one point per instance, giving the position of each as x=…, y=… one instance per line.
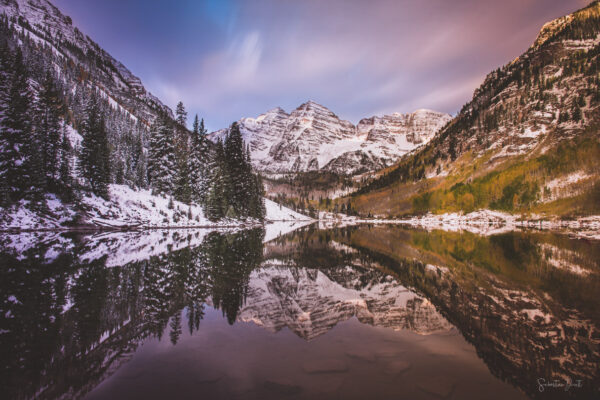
x=188, y=167
x=34, y=149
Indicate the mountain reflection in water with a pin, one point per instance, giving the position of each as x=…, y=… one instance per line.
x=355, y=312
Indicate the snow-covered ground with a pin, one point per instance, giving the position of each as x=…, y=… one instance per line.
x=565, y=186
x=483, y=222
x=277, y=212
x=488, y=222
x=281, y=220
x=127, y=207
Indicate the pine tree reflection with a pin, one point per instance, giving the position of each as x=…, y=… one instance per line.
x=65, y=323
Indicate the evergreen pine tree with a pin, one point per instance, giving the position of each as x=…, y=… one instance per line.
x=161, y=157
x=66, y=182
x=94, y=161
x=182, y=190
x=19, y=149
x=216, y=204
x=37, y=184
x=181, y=114
x=256, y=201
x=141, y=172
x=236, y=172
x=576, y=115
x=198, y=162
x=234, y=190
x=5, y=140
x=48, y=129
x=216, y=201
x=175, y=325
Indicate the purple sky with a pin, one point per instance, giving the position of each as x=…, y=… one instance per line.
x=231, y=59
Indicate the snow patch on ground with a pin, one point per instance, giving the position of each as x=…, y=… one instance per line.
x=486, y=222
x=531, y=133
x=140, y=208
x=342, y=192
x=562, y=187
x=534, y=314
x=127, y=208
x=277, y=212
x=331, y=220
x=482, y=222
x=21, y=216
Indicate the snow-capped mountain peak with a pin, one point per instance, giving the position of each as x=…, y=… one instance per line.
x=313, y=138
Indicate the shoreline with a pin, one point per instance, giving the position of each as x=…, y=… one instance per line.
x=127, y=210
x=483, y=222
x=140, y=228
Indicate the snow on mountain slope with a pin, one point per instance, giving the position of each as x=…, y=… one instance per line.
x=141, y=207
x=313, y=138
x=46, y=25
x=127, y=207
x=277, y=212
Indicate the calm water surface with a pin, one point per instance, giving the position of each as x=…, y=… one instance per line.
x=378, y=312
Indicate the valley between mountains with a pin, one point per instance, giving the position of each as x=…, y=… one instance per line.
x=86, y=146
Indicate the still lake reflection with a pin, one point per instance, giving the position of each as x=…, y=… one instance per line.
x=348, y=313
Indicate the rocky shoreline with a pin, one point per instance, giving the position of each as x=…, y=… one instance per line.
x=483, y=222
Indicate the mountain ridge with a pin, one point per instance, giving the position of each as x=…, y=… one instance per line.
x=49, y=26
x=313, y=138
x=531, y=122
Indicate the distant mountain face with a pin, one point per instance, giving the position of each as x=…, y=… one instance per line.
x=47, y=26
x=313, y=138
x=526, y=139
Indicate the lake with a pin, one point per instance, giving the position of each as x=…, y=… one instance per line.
x=366, y=311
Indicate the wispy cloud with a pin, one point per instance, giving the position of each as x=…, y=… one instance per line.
x=229, y=59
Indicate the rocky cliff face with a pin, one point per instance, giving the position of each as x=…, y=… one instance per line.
x=530, y=123
x=417, y=127
x=47, y=26
x=312, y=138
x=548, y=94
